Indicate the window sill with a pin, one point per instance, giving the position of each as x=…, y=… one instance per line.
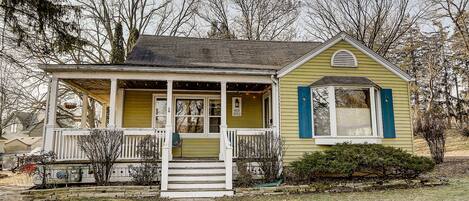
x=351, y=140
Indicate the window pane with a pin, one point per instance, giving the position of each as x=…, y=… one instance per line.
x=160, y=106
x=190, y=107
x=353, y=112
x=215, y=107
x=160, y=122
x=214, y=126
x=321, y=114
x=189, y=124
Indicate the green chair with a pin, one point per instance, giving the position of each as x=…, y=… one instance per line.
x=177, y=141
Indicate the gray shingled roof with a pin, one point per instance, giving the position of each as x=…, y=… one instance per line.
x=203, y=52
x=344, y=81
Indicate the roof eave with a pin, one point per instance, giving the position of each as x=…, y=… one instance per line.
x=147, y=69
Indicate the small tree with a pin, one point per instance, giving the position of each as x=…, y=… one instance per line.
x=102, y=147
x=431, y=126
x=147, y=172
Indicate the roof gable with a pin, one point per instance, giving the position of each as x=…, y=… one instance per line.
x=336, y=39
x=203, y=52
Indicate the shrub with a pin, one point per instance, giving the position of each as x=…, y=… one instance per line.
x=465, y=131
x=102, y=147
x=364, y=160
x=431, y=126
x=147, y=171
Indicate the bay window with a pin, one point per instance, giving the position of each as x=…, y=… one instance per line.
x=341, y=113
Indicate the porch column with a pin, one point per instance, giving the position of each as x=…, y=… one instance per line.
x=103, y=115
x=223, y=125
x=169, y=112
x=84, y=110
x=112, y=104
x=275, y=107
x=51, y=115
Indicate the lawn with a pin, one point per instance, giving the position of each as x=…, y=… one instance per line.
x=456, y=190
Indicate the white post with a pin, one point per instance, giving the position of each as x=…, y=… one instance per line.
x=84, y=111
x=169, y=116
x=223, y=125
x=112, y=104
x=103, y=115
x=167, y=148
x=51, y=115
x=119, y=107
x=229, y=167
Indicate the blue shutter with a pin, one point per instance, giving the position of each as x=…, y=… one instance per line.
x=304, y=112
x=387, y=110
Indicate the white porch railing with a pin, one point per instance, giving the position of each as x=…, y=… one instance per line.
x=228, y=159
x=251, y=142
x=65, y=143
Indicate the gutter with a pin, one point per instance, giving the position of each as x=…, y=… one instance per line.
x=152, y=69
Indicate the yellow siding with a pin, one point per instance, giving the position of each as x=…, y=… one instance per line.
x=138, y=110
x=251, y=114
x=318, y=67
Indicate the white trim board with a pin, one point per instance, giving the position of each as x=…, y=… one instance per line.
x=355, y=43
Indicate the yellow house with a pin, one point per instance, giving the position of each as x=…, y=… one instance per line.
x=211, y=96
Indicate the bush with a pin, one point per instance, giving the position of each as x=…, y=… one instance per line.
x=364, y=160
x=465, y=131
x=148, y=170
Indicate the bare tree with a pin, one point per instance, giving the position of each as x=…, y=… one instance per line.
x=102, y=147
x=458, y=12
x=378, y=24
x=254, y=19
x=431, y=126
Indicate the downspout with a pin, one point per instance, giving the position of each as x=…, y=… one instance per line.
x=277, y=123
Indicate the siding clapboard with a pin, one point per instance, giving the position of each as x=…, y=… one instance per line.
x=138, y=114
x=320, y=66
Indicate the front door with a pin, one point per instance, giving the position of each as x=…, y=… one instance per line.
x=267, y=110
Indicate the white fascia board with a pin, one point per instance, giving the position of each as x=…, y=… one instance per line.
x=334, y=40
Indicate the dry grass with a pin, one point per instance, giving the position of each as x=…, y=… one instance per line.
x=16, y=179
x=456, y=145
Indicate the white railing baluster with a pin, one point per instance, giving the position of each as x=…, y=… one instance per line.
x=66, y=147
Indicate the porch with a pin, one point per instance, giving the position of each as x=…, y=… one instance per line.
x=214, y=119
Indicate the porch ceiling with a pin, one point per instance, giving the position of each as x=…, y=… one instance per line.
x=101, y=87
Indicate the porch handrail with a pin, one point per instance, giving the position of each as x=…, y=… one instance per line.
x=165, y=161
x=253, y=139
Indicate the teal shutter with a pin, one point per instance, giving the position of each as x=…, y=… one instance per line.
x=387, y=110
x=304, y=112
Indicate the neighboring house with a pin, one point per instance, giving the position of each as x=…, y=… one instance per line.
x=224, y=93
x=24, y=124
x=2, y=145
x=18, y=147
x=22, y=145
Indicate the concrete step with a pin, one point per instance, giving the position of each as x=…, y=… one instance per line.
x=197, y=165
x=220, y=177
x=200, y=186
x=195, y=171
x=196, y=193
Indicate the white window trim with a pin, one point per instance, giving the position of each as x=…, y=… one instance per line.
x=376, y=122
x=355, y=61
x=153, y=104
x=205, y=97
x=265, y=96
x=207, y=125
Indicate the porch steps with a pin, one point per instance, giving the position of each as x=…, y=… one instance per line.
x=196, y=179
